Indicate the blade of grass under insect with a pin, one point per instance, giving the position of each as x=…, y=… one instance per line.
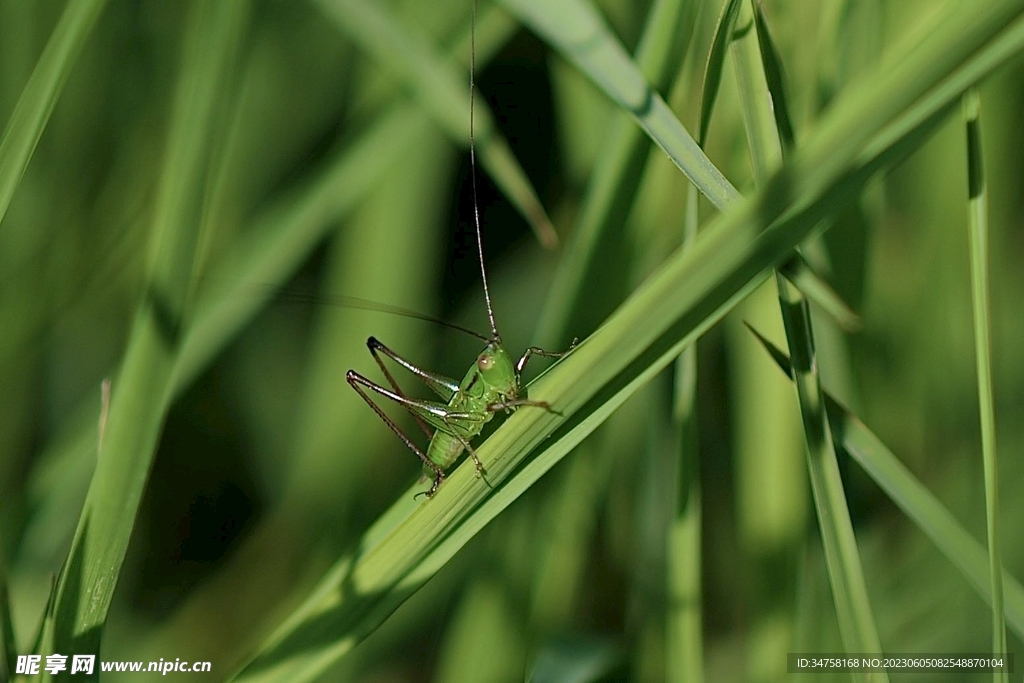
x=683, y=299
x=916, y=501
x=842, y=557
x=614, y=183
x=142, y=391
x=442, y=91
x=39, y=97
x=576, y=30
x=280, y=238
x=978, y=235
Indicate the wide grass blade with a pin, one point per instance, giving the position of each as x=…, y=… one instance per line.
x=39, y=97
x=142, y=390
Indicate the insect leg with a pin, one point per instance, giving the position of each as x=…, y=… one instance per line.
x=437, y=415
x=519, y=402
x=355, y=379
x=442, y=386
x=374, y=346
x=480, y=471
x=537, y=351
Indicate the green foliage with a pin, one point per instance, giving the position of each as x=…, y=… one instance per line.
x=185, y=189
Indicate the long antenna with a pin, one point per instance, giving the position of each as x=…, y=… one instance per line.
x=472, y=171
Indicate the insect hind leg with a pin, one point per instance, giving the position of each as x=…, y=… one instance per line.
x=357, y=382
x=444, y=387
x=375, y=346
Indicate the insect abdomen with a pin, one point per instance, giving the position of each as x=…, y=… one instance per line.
x=444, y=450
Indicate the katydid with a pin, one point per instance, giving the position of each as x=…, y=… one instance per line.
x=492, y=383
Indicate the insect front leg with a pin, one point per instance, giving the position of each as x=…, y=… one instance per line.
x=519, y=402
x=537, y=351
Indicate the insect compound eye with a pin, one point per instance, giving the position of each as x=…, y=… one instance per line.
x=484, y=362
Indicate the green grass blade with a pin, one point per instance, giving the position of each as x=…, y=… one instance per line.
x=684, y=636
x=142, y=391
x=925, y=510
x=770, y=447
x=774, y=79
x=916, y=501
x=677, y=304
x=614, y=182
x=849, y=589
x=40, y=95
x=442, y=91
x=575, y=29
x=842, y=558
x=820, y=292
x=716, y=60
x=978, y=233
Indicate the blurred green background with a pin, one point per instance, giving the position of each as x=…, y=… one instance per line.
x=269, y=466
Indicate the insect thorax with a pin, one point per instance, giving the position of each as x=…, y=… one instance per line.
x=491, y=378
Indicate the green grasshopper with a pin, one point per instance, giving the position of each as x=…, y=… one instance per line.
x=492, y=383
